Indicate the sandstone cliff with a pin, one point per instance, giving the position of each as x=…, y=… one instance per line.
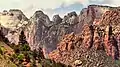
x=40, y=31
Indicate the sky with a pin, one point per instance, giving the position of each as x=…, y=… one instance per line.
x=52, y=7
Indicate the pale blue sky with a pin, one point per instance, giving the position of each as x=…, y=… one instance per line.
x=51, y=7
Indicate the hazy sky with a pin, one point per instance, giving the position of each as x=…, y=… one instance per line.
x=52, y=7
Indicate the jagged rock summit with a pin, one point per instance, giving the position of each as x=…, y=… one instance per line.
x=13, y=19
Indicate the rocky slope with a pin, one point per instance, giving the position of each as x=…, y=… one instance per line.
x=72, y=51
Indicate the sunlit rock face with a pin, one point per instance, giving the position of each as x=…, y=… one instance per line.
x=12, y=23
x=88, y=15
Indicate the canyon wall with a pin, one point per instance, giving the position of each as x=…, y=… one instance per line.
x=40, y=31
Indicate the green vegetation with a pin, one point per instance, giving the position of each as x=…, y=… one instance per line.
x=20, y=56
x=36, y=59
x=4, y=60
x=1, y=50
x=117, y=62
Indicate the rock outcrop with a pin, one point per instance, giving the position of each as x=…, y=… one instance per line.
x=37, y=29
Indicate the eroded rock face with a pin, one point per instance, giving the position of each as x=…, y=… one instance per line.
x=111, y=18
x=78, y=47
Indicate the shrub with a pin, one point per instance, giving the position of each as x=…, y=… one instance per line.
x=2, y=50
x=25, y=47
x=20, y=56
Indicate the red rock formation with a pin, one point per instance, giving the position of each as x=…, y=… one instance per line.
x=110, y=23
x=55, y=55
x=74, y=46
x=68, y=42
x=104, y=36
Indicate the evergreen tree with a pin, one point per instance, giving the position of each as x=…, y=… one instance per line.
x=22, y=38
